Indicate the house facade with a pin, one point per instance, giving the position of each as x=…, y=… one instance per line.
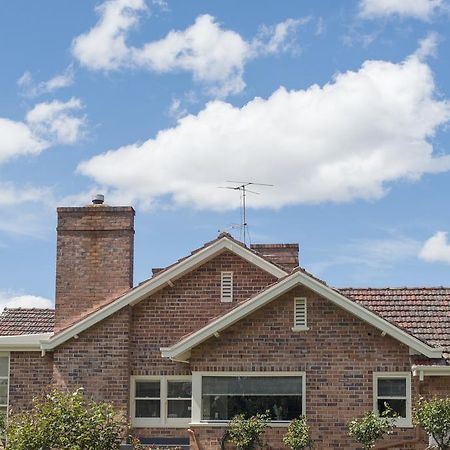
x=227, y=329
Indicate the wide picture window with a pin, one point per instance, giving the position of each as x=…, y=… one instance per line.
x=225, y=396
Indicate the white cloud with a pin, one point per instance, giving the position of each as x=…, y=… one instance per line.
x=8, y=300
x=418, y=9
x=436, y=249
x=104, y=46
x=11, y=195
x=427, y=46
x=215, y=56
x=30, y=88
x=55, y=121
x=346, y=140
x=45, y=125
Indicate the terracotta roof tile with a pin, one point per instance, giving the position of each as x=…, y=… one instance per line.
x=15, y=321
x=424, y=312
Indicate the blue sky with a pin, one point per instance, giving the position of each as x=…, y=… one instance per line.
x=343, y=106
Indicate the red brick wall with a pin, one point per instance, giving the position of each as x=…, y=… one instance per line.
x=176, y=311
x=94, y=258
x=339, y=355
x=30, y=375
x=98, y=361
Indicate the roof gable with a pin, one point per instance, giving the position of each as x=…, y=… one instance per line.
x=164, y=278
x=181, y=350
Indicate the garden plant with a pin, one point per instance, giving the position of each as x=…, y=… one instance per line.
x=298, y=436
x=434, y=417
x=245, y=433
x=368, y=429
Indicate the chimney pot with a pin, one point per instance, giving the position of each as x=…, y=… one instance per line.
x=99, y=199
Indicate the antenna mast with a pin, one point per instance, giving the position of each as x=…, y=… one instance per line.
x=242, y=188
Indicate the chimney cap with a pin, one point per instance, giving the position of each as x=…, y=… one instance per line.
x=99, y=199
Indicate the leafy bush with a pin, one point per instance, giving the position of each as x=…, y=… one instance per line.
x=434, y=417
x=297, y=436
x=66, y=421
x=246, y=433
x=370, y=428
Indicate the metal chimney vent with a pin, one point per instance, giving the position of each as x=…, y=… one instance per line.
x=98, y=199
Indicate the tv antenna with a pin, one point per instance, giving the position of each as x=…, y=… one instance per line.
x=242, y=187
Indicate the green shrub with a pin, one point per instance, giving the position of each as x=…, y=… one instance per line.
x=297, y=436
x=66, y=421
x=434, y=417
x=370, y=428
x=246, y=433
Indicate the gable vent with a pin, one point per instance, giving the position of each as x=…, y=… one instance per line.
x=226, y=287
x=300, y=313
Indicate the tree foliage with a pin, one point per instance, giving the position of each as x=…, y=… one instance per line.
x=298, y=436
x=434, y=417
x=246, y=433
x=368, y=429
x=66, y=421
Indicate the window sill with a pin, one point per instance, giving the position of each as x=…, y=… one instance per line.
x=302, y=328
x=225, y=424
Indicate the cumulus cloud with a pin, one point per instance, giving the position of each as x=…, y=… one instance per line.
x=30, y=88
x=8, y=300
x=436, y=248
x=349, y=139
x=213, y=55
x=45, y=125
x=427, y=46
x=55, y=121
x=418, y=9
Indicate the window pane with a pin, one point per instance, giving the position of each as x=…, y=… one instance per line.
x=3, y=392
x=225, y=407
x=252, y=385
x=148, y=408
x=391, y=387
x=179, y=389
x=179, y=409
x=4, y=366
x=147, y=388
x=398, y=406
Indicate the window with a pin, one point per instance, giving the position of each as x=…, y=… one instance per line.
x=300, y=322
x=393, y=389
x=161, y=401
x=4, y=382
x=219, y=397
x=226, y=287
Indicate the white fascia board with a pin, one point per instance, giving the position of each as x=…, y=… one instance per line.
x=23, y=342
x=431, y=371
x=158, y=282
x=283, y=286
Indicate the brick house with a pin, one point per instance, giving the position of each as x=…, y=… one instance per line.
x=223, y=330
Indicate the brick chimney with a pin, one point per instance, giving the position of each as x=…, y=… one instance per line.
x=286, y=255
x=94, y=263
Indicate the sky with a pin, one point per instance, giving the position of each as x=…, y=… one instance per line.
x=344, y=107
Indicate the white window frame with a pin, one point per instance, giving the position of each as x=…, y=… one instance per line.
x=197, y=394
x=7, y=378
x=401, y=421
x=303, y=327
x=223, y=298
x=163, y=421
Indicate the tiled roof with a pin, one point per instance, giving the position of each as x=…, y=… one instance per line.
x=15, y=321
x=424, y=312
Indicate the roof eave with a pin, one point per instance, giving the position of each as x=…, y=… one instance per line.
x=23, y=342
x=284, y=285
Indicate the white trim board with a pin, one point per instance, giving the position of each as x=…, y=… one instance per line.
x=430, y=371
x=184, y=346
x=160, y=281
x=23, y=342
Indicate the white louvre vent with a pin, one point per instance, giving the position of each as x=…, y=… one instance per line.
x=300, y=313
x=226, y=287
